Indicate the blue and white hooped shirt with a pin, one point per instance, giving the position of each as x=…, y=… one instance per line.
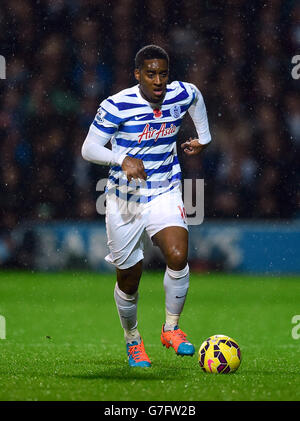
x=138, y=129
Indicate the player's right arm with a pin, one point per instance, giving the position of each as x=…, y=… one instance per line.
x=104, y=126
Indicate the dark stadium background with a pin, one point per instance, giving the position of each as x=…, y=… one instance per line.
x=63, y=57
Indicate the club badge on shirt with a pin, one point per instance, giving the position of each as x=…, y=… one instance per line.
x=175, y=111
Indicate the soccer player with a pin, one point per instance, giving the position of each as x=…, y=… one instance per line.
x=143, y=190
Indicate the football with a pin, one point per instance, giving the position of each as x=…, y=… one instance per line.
x=219, y=354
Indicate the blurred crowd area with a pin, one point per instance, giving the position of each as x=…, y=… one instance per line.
x=65, y=56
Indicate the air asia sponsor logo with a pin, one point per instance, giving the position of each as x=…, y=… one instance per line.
x=150, y=133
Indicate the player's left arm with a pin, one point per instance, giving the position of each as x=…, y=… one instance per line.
x=198, y=114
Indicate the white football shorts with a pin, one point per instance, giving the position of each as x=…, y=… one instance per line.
x=127, y=224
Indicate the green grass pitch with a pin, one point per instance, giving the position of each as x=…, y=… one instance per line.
x=64, y=341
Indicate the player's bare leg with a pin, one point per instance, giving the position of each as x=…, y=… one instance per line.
x=173, y=242
x=126, y=298
x=129, y=279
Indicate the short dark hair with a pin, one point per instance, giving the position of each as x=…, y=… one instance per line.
x=150, y=52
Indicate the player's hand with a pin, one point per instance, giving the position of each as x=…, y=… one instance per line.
x=134, y=168
x=192, y=147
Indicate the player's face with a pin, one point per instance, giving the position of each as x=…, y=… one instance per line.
x=153, y=78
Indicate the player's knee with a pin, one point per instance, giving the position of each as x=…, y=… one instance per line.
x=129, y=285
x=128, y=279
x=177, y=258
x=128, y=288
